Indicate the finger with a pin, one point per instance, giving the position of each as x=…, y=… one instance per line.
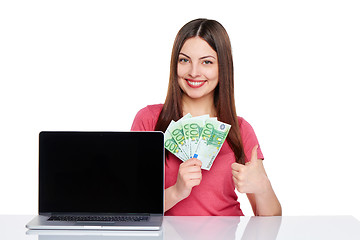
x=184, y=172
x=193, y=161
x=240, y=176
x=237, y=185
x=235, y=182
x=254, y=153
x=193, y=169
x=193, y=176
x=237, y=166
x=195, y=182
x=235, y=175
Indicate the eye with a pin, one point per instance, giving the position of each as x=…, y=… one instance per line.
x=206, y=62
x=183, y=60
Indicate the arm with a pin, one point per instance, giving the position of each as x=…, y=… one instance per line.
x=171, y=198
x=265, y=204
x=251, y=178
x=189, y=176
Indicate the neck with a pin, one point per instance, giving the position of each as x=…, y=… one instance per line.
x=198, y=107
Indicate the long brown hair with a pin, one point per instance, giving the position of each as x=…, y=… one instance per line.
x=216, y=36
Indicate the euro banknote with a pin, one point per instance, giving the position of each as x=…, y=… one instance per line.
x=173, y=147
x=177, y=133
x=211, y=140
x=192, y=129
x=200, y=137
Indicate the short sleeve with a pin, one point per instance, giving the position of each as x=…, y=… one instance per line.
x=146, y=118
x=249, y=139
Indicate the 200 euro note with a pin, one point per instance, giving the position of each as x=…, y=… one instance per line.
x=211, y=140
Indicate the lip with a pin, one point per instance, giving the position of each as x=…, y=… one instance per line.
x=198, y=83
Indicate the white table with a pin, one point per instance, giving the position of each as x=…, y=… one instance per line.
x=244, y=228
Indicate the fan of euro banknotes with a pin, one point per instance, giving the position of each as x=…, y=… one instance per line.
x=196, y=137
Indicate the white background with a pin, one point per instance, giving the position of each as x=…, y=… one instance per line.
x=91, y=65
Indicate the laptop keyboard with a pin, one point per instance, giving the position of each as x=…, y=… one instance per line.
x=100, y=218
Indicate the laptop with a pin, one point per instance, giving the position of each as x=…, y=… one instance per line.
x=100, y=181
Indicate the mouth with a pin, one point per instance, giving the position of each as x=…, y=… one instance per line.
x=195, y=83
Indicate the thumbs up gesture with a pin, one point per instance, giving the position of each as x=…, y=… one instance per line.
x=251, y=177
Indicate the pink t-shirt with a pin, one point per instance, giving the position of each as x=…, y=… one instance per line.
x=216, y=193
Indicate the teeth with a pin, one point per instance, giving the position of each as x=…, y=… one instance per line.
x=195, y=83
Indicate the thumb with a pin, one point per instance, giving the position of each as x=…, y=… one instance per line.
x=254, y=153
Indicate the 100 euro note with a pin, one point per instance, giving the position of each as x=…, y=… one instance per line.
x=212, y=138
x=192, y=129
x=171, y=145
x=201, y=137
x=177, y=133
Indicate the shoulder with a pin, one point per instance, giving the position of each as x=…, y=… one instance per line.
x=151, y=110
x=249, y=138
x=146, y=118
x=244, y=125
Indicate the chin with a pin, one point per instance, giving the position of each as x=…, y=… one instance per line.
x=195, y=95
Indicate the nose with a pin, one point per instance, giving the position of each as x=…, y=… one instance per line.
x=194, y=71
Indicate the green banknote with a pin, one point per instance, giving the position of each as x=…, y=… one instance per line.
x=200, y=137
x=192, y=130
x=173, y=147
x=171, y=144
x=211, y=140
x=177, y=133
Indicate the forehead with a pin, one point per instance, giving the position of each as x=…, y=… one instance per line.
x=197, y=47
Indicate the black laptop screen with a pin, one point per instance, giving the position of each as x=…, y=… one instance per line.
x=101, y=172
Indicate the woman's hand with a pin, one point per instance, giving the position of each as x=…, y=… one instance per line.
x=189, y=176
x=251, y=177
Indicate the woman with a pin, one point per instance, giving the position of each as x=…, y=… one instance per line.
x=202, y=82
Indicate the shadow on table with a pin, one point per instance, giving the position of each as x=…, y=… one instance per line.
x=265, y=228
x=95, y=235
x=221, y=227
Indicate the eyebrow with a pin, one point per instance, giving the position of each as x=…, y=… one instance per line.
x=199, y=58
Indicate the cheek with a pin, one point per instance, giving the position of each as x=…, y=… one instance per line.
x=181, y=82
x=181, y=70
x=180, y=75
x=212, y=74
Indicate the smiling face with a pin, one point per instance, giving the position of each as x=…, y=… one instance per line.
x=197, y=69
